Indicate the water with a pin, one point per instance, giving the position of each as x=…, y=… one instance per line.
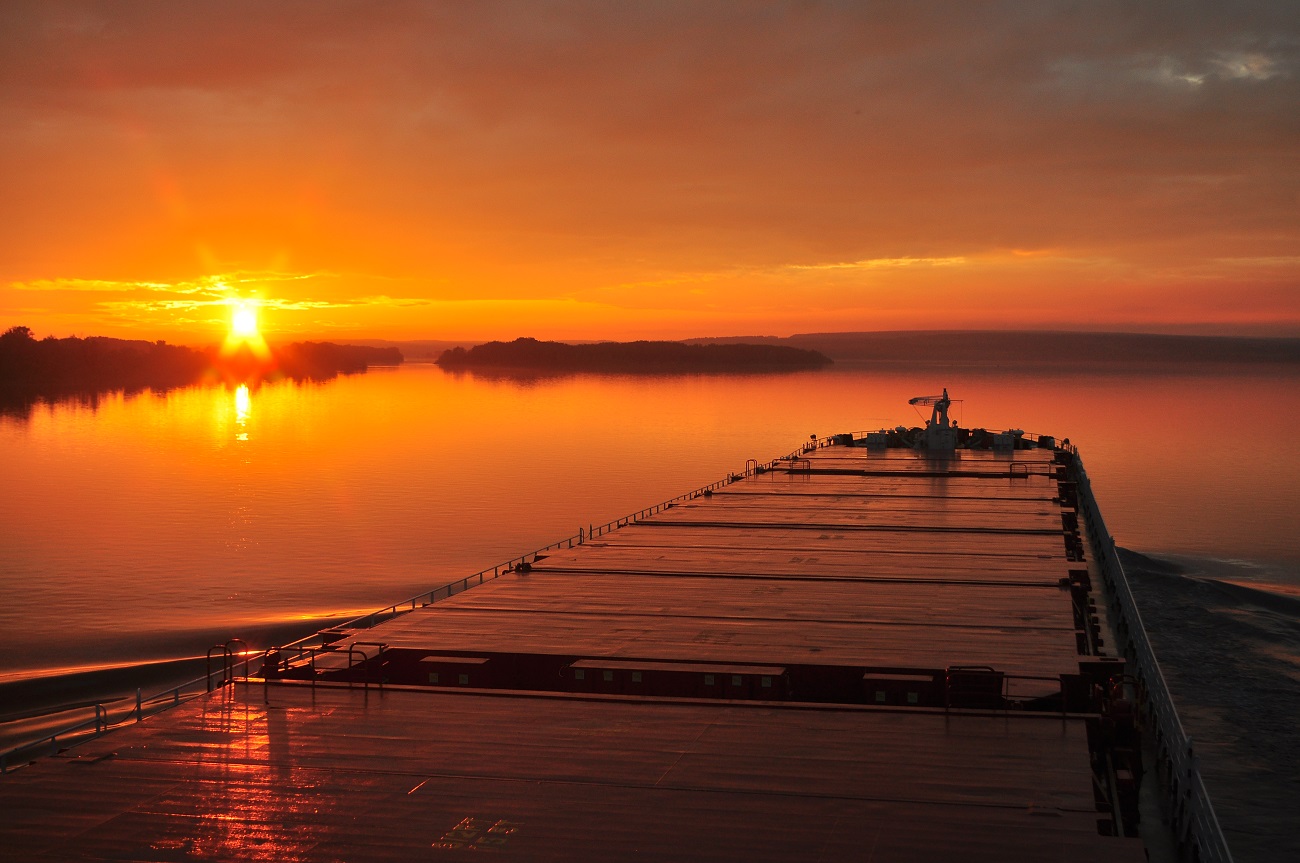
x=149, y=527
x=1231, y=655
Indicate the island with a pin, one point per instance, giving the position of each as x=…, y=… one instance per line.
x=640, y=357
x=31, y=367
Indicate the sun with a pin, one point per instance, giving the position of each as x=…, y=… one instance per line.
x=243, y=321
x=245, y=355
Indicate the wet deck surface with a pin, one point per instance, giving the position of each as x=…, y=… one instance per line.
x=811, y=576
x=866, y=559
x=351, y=775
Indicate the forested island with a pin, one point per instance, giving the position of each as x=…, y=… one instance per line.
x=630, y=357
x=52, y=367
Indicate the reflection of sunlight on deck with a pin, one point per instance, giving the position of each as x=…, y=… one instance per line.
x=249, y=815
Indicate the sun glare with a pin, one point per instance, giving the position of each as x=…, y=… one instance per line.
x=243, y=321
x=244, y=353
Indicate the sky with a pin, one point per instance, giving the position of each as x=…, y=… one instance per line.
x=625, y=170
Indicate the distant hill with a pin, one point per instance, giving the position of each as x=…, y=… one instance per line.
x=631, y=357
x=1021, y=346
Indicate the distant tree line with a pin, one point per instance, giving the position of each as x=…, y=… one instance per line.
x=54, y=367
x=631, y=357
x=326, y=359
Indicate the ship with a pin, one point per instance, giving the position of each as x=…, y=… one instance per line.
x=910, y=644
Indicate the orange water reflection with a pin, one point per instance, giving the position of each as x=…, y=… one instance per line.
x=243, y=407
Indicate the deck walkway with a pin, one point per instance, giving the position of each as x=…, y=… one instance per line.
x=852, y=584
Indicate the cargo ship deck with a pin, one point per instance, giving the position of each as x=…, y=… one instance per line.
x=856, y=653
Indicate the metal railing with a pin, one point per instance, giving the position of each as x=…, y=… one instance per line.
x=113, y=714
x=358, y=648
x=1195, y=825
x=367, y=621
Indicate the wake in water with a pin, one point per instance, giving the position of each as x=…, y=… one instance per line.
x=1229, y=646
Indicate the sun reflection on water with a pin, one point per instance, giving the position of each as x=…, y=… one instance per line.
x=243, y=408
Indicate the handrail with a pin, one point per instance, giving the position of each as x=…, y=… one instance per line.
x=1196, y=826
x=133, y=709
x=703, y=491
x=231, y=652
x=358, y=648
x=225, y=665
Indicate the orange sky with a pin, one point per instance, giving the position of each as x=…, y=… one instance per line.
x=618, y=170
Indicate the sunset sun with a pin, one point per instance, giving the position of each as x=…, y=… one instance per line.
x=245, y=337
x=243, y=321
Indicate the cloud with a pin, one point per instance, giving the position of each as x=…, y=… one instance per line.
x=1269, y=261
x=1252, y=66
x=273, y=303
x=395, y=302
x=220, y=284
x=884, y=264
x=66, y=284
x=206, y=299
x=1224, y=66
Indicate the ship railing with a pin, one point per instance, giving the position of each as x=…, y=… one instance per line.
x=753, y=467
x=358, y=648
x=797, y=460
x=594, y=531
x=1196, y=826
x=127, y=710
x=816, y=443
x=320, y=640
